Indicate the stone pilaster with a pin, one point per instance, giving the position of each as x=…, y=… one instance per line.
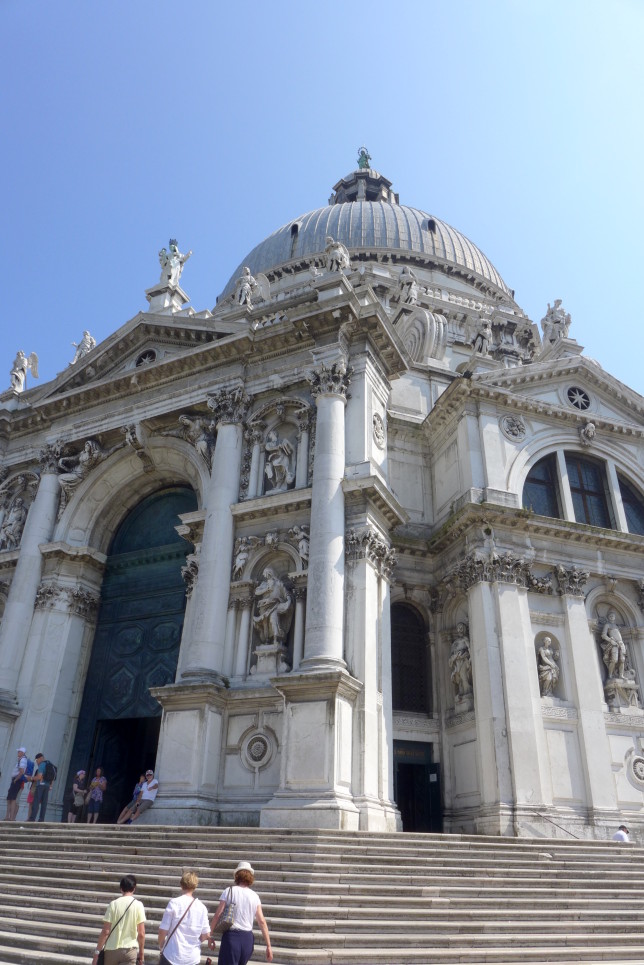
x=323, y=648
x=202, y=656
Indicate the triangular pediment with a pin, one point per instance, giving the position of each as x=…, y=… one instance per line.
x=577, y=385
x=143, y=342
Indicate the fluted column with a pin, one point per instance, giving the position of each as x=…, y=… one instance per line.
x=325, y=599
x=19, y=608
x=203, y=658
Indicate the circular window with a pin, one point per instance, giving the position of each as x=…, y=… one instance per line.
x=145, y=358
x=578, y=398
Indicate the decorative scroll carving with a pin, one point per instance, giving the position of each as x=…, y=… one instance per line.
x=331, y=381
x=76, y=599
x=370, y=545
x=135, y=439
x=190, y=572
x=571, y=581
x=77, y=467
x=230, y=405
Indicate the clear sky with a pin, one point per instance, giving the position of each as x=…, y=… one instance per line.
x=126, y=123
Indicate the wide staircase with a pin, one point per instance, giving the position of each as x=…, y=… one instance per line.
x=345, y=898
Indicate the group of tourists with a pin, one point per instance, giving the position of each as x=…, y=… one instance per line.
x=184, y=926
x=39, y=774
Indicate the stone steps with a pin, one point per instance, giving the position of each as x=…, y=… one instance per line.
x=342, y=899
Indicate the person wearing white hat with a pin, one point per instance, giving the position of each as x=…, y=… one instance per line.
x=16, y=784
x=237, y=943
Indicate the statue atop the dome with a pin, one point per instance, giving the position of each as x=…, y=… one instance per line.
x=337, y=255
x=247, y=286
x=22, y=365
x=364, y=159
x=86, y=344
x=555, y=323
x=172, y=262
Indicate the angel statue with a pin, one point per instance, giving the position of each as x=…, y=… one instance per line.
x=172, y=263
x=21, y=365
x=336, y=255
x=247, y=287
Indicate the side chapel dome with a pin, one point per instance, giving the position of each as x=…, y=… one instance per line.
x=365, y=215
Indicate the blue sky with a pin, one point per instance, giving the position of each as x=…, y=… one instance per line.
x=519, y=123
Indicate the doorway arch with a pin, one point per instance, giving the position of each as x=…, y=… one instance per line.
x=136, y=645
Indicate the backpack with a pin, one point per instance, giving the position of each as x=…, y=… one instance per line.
x=51, y=772
x=29, y=771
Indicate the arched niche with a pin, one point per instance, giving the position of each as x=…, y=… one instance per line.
x=410, y=671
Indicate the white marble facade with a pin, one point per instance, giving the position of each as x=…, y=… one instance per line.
x=376, y=440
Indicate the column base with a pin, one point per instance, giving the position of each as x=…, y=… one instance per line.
x=321, y=663
x=202, y=675
x=376, y=816
x=189, y=811
x=328, y=811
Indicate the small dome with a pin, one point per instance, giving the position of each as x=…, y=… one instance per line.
x=380, y=225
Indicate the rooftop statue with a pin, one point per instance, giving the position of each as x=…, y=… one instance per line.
x=364, y=158
x=83, y=348
x=556, y=322
x=336, y=255
x=22, y=365
x=408, y=284
x=247, y=287
x=172, y=262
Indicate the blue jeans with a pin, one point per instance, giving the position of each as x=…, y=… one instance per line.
x=236, y=947
x=41, y=796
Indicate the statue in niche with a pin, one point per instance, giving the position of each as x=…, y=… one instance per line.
x=460, y=665
x=274, y=609
x=613, y=647
x=83, y=348
x=336, y=255
x=547, y=667
x=408, y=284
x=483, y=338
x=278, y=466
x=13, y=525
x=21, y=365
x=301, y=535
x=172, y=262
x=555, y=323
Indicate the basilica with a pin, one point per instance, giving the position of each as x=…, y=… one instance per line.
x=359, y=546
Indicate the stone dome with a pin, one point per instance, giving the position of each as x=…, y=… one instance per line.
x=364, y=214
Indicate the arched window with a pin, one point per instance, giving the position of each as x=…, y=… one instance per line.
x=295, y=230
x=588, y=489
x=633, y=507
x=541, y=489
x=409, y=671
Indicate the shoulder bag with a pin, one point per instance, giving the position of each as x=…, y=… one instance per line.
x=101, y=955
x=227, y=919
x=162, y=959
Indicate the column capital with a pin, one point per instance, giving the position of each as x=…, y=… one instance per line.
x=331, y=380
x=370, y=545
x=571, y=581
x=75, y=599
x=496, y=568
x=230, y=406
x=48, y=458
x=190, y=572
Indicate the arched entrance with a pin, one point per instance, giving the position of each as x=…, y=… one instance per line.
x=136, y=645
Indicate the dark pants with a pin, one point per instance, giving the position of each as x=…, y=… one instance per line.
x=236, y=947
x=41, y=796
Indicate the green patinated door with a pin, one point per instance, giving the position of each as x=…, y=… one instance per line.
x=136, y=646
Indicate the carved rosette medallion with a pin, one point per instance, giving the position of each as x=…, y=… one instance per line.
x=379, y=434
x=637, y=769
x=230, y=406
x=369, y=545
x=331, y=381
x=257, y=750
x=571, y=582
x=513, y=427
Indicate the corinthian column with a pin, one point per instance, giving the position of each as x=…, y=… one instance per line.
x=202, y=656
x=325, y=598
x=19, y=609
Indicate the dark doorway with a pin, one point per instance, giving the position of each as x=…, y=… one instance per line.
x=125, y=749
x=136, y=646
x=417, y=787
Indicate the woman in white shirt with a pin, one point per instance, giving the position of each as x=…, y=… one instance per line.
x=237, y=943
x=184, y=926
